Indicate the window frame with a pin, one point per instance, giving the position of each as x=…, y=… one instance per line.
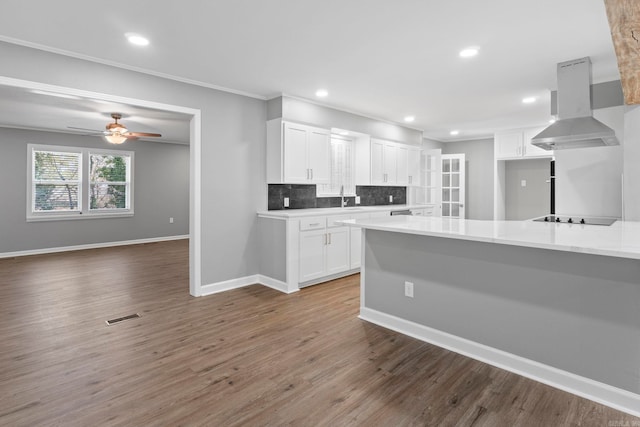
x=321, y=189
x=84, y=185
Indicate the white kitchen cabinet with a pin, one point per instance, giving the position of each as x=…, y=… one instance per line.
x=384, y=165
x=413, y=172
x=297, y=154
x=337, y=256
x=355, y=242
x=324, y=247
x=516, y=144
x=402, y=165
x=312, y=254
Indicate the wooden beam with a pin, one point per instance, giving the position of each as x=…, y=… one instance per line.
x=624, y=21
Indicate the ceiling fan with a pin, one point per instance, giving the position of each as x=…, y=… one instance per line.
x=117, y=133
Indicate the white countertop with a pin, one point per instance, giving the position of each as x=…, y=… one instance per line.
x=296, y=213
x=622, y=239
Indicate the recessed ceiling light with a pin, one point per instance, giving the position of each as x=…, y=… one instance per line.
x=454, y=132
x=468, y=52
x=321, y=93
x=137, y=39
x=409, y=119
x=552, y=120
x=529, y=100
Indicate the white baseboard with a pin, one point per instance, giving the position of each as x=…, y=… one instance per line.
x=89, y=246
x=605, y=394
x=241, y=282
x=278, y=285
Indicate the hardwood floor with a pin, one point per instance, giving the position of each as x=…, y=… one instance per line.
x=251, y=356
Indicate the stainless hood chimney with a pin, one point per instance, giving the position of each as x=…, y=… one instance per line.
x=575, y=127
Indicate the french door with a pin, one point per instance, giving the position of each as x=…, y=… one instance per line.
x=453, y=185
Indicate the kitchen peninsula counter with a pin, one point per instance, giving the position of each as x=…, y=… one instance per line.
x=559, y=303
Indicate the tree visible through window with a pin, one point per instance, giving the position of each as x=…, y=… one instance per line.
x=73, y=182
x=56, y=181
x=108, y=179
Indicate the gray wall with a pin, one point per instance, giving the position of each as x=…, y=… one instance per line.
x=479, y=178
x=161, y=190
x=233, y=148
x=589, y=180
x=313, y=114
x=563, y=309
x=534, y=199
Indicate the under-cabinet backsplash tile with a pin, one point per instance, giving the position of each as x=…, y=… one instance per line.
x=375, y=195
x=303, y=196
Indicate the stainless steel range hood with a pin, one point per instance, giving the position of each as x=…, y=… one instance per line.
x=575, y=127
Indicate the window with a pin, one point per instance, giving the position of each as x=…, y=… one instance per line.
x=59, y=187
x=342, y=174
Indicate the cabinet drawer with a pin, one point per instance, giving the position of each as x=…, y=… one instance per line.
x=312, y=223
x=333, y=220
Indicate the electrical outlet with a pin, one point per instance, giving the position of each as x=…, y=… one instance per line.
x=408, y=289
x=286, y=202
x=523, y=183
x=390, y=198
x=357, y=200
x=170, y=220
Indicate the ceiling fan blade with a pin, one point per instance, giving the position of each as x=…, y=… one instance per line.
x=142, y=134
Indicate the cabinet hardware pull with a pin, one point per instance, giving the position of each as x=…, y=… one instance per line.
x=314, y=224
x=311, y=174
x=325, y=238
x=329, y=234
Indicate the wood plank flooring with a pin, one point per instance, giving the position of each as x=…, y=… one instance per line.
x=247, y=357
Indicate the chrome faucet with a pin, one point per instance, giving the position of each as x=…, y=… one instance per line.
x=343, y=202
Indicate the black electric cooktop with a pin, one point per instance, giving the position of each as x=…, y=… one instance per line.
x=576, y=220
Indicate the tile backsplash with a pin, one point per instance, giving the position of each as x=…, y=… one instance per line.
x=303, y=196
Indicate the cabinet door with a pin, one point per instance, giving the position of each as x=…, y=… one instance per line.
x=508, y=145
x=377, y=165
x=296, y=168
x=530, y=150
x=414, y=167
x=312, y=254
x=355, y=247
x=337, y=252
x=390, y=167
x=402, y=163
x=319, y=144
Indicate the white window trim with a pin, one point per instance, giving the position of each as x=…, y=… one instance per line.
x=84, y=187
x=319, y=188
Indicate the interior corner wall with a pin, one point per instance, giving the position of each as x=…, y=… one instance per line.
x=232, y=157
x=589, y=180
x=161, y=191
x=313, y=114
x=479, y=175
x=430, y=144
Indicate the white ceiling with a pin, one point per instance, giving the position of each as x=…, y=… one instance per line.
x=382, y=58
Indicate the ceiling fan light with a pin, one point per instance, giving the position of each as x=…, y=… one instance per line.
x=115, y=138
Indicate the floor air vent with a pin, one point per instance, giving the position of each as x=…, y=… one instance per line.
x=120, y=319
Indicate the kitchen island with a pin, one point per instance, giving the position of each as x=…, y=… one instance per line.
x=559, y=303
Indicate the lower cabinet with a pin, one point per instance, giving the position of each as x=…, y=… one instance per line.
x=324, y=247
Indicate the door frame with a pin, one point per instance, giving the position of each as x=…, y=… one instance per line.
x=195, y=143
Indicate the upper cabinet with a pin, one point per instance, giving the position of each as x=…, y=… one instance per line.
x=414, y=166
x=517, y=144
x=389, y=163
x=297, y=154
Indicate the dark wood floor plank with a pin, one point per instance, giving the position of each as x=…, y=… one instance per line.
x=251, y=356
